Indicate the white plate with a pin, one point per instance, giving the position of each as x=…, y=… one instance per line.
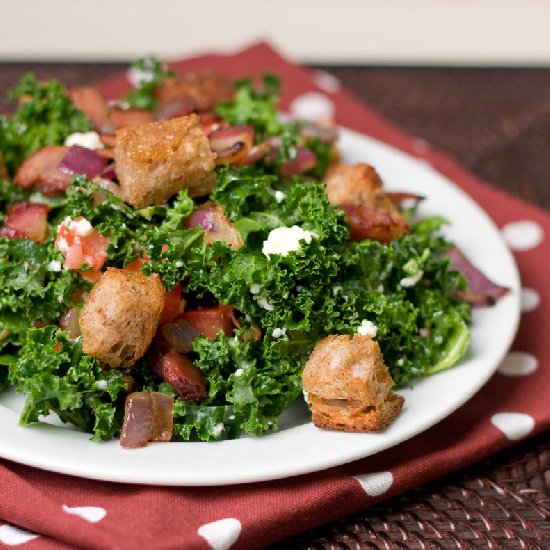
x=298, y=447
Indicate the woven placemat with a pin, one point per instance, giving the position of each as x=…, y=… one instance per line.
x=497, y=123
x=503, y=503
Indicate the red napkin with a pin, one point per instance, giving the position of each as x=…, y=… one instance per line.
x=45, y=510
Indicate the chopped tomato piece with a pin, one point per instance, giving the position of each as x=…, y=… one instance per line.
x=209, y=321
x=81, y=244
x=136, y=264
x=172, y=305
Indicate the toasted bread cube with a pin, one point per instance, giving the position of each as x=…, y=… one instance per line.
x=156, y=160
x=348, y=386
x=120, y=316
x=353, y=183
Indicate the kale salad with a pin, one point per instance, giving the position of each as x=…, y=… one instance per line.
x=257, y=255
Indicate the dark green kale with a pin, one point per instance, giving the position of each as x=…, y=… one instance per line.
x=56, y=376
x=45, y=116
x=153, y=73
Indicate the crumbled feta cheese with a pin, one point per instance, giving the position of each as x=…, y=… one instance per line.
x=248, y=318
x=336, y=289
x=306, y=396
x=380, y=288
x=81, y=228
x=278, y=332
x=265, y=304
x=90, y=140
x=286, y=239
x=217, y=430
x=279, y=196
x=62, y=245
x=101, y=384
x=367, y=328
x=137, y=76
x=412, y=280
x=55, y=265
x=238, y=372
x=255, y=288
x=400, y=362
x=178, y=264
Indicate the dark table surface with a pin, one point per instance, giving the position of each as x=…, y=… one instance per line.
x=496, y=122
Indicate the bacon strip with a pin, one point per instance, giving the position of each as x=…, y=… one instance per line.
x=26, y=220
x=376, y=225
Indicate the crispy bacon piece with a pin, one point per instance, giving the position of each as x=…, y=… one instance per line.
x=148, y=416
x=173, y=109
x=41, y=170
x=209, y=321
x=481, y=291
x=122, y=118
x=178, y=371
x=26, y=219
x=202, y=91
x=211, y=218
x=91, y=103
x=376, y=225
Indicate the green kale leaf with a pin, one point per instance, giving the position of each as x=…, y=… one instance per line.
x=56, y=376
x=45, y=116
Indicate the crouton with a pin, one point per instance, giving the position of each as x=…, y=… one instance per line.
x=348, y=386
x=120, y=316
x=353, y=183
x=156, y=160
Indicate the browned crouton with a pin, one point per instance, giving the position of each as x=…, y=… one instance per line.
x=348, y=386
x=156, y=160
x=120, y=316
x=353, y=183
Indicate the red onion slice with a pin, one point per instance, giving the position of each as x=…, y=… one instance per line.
x=224, y=139
x=80, y=160
x=180, y=335
x=326, y=134
x=481, y=291
x=255, y=153
x=305, y=160
x=110, y=172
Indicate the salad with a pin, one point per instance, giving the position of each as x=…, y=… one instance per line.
x=170, y=262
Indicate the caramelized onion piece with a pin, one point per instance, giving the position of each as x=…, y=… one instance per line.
x=147, y=417
x=481, y=291
x=69, y=322
x=326, y=134
x=231, y=144
x=180, y=335
x=305, y=160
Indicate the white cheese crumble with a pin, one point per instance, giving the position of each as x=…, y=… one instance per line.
x=279, y=196
x=265, y=304
x=55, y=265
x=137, y=76
x=400, y=362
x=90, y=140
x=336, y=289
x=238, y=372
x=81, y=228
x=178, y=264
x=412, y=280
x=101, y=384
x=286, y=239
x=62, y=245
x=278, y=332
x=367, y=328
x=217, y=430
x=255, y=288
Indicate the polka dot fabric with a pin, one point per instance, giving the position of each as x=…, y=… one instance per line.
x=47, y=510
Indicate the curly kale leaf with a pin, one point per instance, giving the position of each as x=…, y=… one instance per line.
x=45, y=116
x=152, y=72
x=56, y=376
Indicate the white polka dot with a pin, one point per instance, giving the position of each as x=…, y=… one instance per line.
x=420, y=146
x=312, y=106
x=513, y=425
x=12, y=536
x=221, y=534
x=375, y=484
x=530, y=299
x=522, y=235
x=326, y=81
x=93, y=514
x=518, y=363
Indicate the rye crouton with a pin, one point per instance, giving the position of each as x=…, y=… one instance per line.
x=156, y=160
x=353, y=183
x=348, y=386
x=120, y=316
